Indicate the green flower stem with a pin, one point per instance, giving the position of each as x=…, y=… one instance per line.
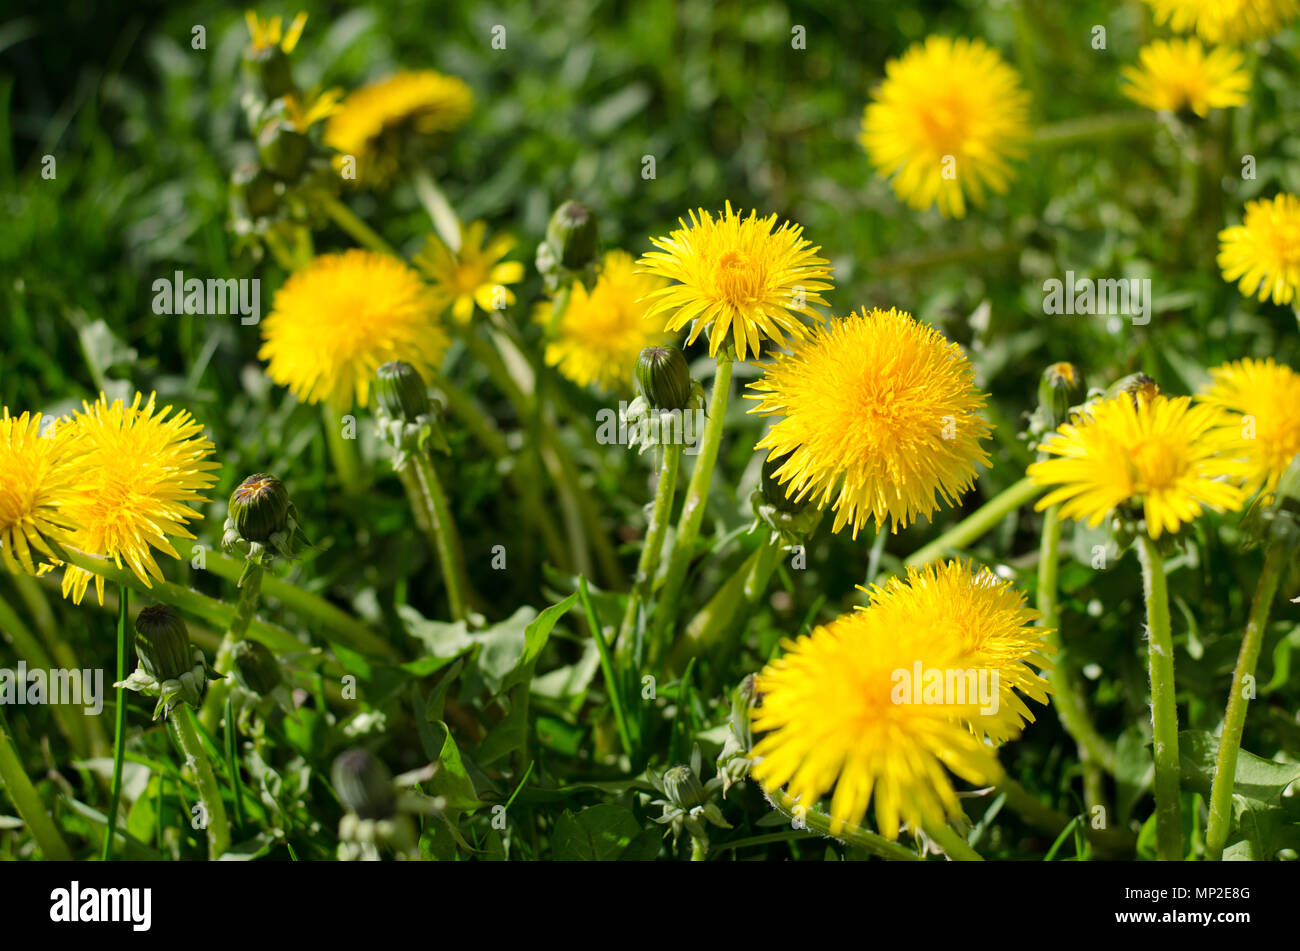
x=342, y=451
x=648, y=564
x=250, y=594
x=433, y=515
x=956, y=847
x=340, y=626
x=361, y=232
x=440, y=211
x=1069, y=702
x=26, y=800
x=979, y=522
x=607, y=670
x=1164, y=709
x=697, y=495
x=483, y=428
x=699, y=849
x=818, y=821
x=29, y=648
x=1234, y=717
x=1093, y=129
x=119, y=720
x=187, y=735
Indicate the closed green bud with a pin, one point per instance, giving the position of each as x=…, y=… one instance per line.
x=364, y=784
x=664, y=377
x=572, y=234
x=163, y=643
x=256, y=667
x=268, y=68
x=774, y=492
x=259, y=508
x=1060, y=388
x=283, y=149
x=684, y=788
x=401, y=391
x=255, y=188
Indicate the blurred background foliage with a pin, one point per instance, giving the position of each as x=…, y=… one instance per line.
x=145, y=131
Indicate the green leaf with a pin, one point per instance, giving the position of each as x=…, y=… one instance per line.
x=1257, y=780
x=600, y=833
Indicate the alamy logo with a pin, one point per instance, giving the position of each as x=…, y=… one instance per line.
x=103, y=905
x=951, y=686
x=1122, y=297
x=211, y=298
x=23, y=687
x=674, y=427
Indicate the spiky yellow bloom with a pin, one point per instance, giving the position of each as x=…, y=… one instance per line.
x=880, y=412
x=143, y=466
x=473, y=275
x=836, y=714
x=39, y=473
x=1264, y=398
x=373, y=121
x=1263, y=253
x=1179, y=74
x=988, y=627
x=736, y=277
x=944, y=123
x=1226, y=21
x=338, y=319
x=268, y=33
x=1169, y=456
x=600, y=332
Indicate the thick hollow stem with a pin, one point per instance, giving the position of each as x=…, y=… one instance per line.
x=1066, y=697
x=648, y=564
x=342, y=451
x=434, y=516
x=119, y=720
x=1234, y=717
x=806, y=817
x=957, y=848
x=250, y=594
x=361, y=232
x=214, y=809
x=697, y=495
x=979, y=522
x=1164, y=709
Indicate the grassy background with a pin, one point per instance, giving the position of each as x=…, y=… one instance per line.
x=146, y=130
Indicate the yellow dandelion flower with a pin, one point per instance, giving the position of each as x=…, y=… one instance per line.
x=945, y=121
x=373, y=121
x=994, y=644
x=834, y=716
x=335, y=322
x=39, y=474
x=1180, y=74
x=142, y=468
x=266, y=34
x=1263, y=253
x=1264, y=397
x=880, y=412
x=1226, y=21
x=600, y=332
x=1166, y=454
x=736, y=277
x=473, y=275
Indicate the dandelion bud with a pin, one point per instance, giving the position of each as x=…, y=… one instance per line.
x=255, y=189
x=364, y=784
x=664, y=377
x=163, y=643
x=268, y=68
x=256, y=668
x=774, y=492
x=401, y=391
x=572, y=235
x=283, y=149
x=1060, y=387
x=259, y=508
x=684, y=788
